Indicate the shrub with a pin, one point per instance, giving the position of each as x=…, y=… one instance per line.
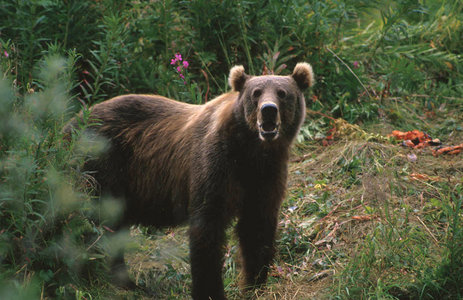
x=47, y=239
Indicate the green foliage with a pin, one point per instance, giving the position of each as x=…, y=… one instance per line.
x=28, y=27
x=47, y=238
x=396, y=262
x=384, y=266
x=126, y=46
x=443, y=281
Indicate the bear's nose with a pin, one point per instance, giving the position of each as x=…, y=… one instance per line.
x=269, y=112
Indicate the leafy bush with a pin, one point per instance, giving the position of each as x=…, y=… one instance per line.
x=47, y=239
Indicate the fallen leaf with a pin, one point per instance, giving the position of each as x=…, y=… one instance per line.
x=363, y=218
x=449, y=65
x=424, y=177
x=415, y=136
x=447, y=150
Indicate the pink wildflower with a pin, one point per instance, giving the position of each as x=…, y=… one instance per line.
x=356, y=64
x=177, y=61
x=6, y=54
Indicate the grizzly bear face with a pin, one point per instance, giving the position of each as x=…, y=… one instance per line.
x=273, y=106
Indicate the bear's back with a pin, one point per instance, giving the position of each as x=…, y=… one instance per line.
x=157, y=137
x=140, y=131
x=134, y=109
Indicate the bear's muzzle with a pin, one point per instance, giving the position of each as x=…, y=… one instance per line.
x=268, y=121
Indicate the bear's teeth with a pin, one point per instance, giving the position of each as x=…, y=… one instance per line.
x=268, y=127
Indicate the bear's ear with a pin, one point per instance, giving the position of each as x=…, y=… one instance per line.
x=303, y=75
x=237, y=78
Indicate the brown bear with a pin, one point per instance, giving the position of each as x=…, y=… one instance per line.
x=173, y=162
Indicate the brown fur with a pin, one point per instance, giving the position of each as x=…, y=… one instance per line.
x=173, y=162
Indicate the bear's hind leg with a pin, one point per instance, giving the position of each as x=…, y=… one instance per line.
x=119, y=272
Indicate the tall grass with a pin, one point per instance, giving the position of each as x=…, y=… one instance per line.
x=397, y=261
x=126, y=46
x=443, y=280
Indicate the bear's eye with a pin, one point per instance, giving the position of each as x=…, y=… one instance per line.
x=256, y=93
x=281, y=94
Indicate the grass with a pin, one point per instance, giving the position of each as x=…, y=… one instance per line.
x=355, y=225
x=357, y=222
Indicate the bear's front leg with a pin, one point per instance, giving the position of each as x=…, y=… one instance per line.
x=256, y=231
x=207, y=235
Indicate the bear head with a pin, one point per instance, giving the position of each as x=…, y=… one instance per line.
x=272, y=106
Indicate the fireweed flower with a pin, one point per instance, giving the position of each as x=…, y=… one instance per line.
x=6, y=54
x=180, y=66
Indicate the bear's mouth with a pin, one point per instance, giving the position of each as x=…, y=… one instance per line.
x=268, y=131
